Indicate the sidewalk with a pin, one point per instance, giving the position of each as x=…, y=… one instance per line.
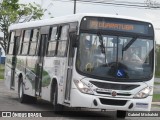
x=156, y=103
x=157, y=80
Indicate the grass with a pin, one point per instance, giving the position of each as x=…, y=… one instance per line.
x=156, y=83
x=156, y=97
x=1, y=72
x=157, y=73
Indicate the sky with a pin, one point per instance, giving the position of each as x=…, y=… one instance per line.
x=58, y=8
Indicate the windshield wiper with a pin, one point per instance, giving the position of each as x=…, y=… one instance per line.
x=129, y=44
x=101, y=43
x=102, y=47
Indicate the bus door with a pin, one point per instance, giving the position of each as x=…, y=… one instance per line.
x=69, y=77
x=72, y=30
x=14, y=61
x=41, y=53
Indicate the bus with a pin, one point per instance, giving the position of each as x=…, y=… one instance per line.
x=94, y=61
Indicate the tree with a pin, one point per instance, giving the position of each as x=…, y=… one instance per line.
x=11, y=12
x=152, y=4
x=157, y=69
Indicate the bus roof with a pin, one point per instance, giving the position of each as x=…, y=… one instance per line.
x=68, y=18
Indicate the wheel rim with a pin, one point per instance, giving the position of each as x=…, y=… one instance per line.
x=54, y=96
x=20, y=91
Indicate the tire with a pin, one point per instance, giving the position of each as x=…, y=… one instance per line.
x=25, y=98
x=121, y=114
x=57, y=108
x=22, y=97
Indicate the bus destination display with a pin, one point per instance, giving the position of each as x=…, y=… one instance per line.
x=118, y=25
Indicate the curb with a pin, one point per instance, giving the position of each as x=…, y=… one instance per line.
x=156, y=103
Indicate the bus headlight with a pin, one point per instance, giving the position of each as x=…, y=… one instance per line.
x=144, y=93
x=82, y=87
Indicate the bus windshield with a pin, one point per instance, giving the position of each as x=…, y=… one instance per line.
x=106, y=56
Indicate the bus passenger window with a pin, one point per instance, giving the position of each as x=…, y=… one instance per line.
x=20, y=44
x=33, y=42
x=52, y=42
x=26, y=42
x=63, y=41
x=11, y=49
x=10, y=46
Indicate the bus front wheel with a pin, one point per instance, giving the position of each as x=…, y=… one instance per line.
x=56, y=107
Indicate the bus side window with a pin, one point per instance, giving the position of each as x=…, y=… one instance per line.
x=20, y=44
x=33, y=42
x=11, y=43
x=25, y=43
x=62, y=45
x=52, y=42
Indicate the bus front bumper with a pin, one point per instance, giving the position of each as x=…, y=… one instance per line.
x=79, y=99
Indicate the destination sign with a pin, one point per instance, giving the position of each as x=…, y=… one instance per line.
x=109, y=25
x=119, y=25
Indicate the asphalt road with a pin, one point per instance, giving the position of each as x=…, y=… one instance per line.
x=9, y=102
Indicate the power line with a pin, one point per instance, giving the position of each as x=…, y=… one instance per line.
x=118, y=3
x=97, y=4
x=126, y=4
x=111, y=3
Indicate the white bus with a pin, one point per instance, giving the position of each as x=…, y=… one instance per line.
x=91, y=61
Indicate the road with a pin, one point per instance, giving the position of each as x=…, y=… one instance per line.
x=9, y=102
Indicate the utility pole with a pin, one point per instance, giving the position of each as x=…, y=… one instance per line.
x=74, y=7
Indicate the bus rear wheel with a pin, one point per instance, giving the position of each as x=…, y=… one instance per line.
x=56, y=107
x=25, y=98
x=22, y=96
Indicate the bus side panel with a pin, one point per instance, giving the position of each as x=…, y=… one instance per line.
x=27, y=82
x=16, y=78
x=56, y=67
x=47, y=75
x=7, y=74
x=21, y=68
x=30, y=74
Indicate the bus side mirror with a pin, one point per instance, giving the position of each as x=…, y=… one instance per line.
x=74, y=39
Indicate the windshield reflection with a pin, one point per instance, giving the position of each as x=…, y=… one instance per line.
x=115, y=56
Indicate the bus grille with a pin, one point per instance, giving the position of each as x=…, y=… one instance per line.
x=108, y=93
x=114, y=86
x=113, y=102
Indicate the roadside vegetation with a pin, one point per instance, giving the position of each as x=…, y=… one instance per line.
x=156, y=83
x=157, y=72
x=1, y=72
x=156, y=98
x=11, y=11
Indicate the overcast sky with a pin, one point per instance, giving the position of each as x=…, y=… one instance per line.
x=61, y=8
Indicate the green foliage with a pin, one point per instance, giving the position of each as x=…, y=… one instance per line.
x=1, y=72
x=156, y=97
x=11, y=11
x=157, y=72
x=156, y=83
